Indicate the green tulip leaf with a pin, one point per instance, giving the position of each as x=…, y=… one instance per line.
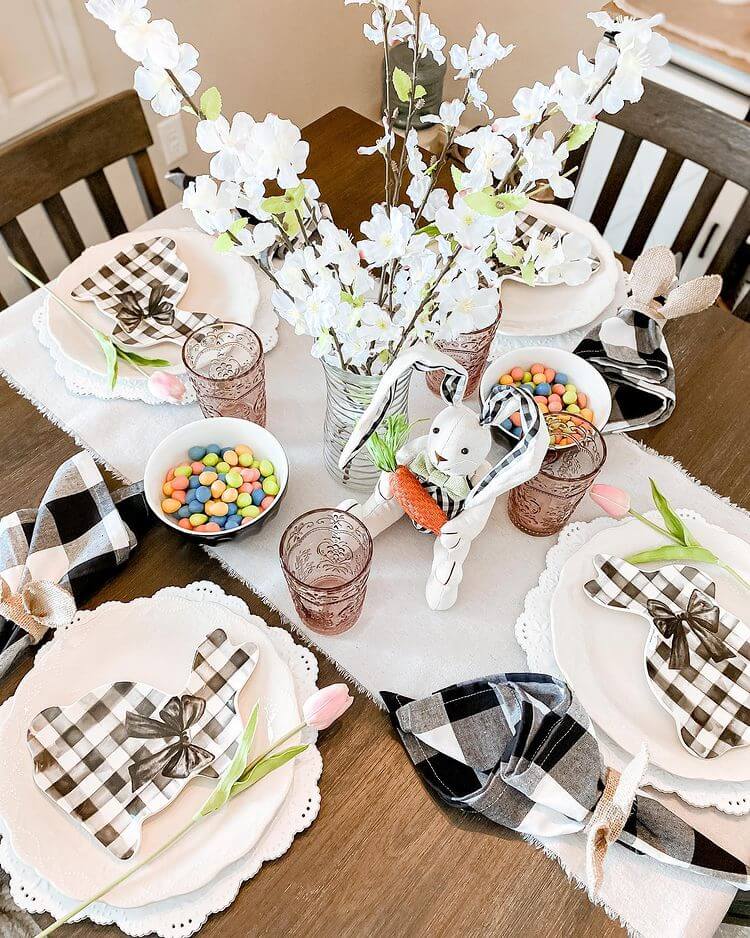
x=402, y=84
x=110, y=355
x=672, y=521
x=210, y=104
x=672, y=552
x=258, y=771
x=141, y=360
x=223, y=790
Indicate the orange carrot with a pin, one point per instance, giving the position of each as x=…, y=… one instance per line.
x=406, y=488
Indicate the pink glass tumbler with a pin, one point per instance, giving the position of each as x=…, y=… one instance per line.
x=325, y=555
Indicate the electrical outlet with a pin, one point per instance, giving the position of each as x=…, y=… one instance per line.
x=172, y=139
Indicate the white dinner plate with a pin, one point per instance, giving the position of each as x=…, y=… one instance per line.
x=549, y=309
x=600, y=651
x=151, y=640
x=222, y=284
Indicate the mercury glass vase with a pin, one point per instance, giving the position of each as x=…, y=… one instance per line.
x=470, y=349
x=347, y=397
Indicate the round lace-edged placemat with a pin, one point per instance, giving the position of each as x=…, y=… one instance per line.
x=534, y=635
x=184, y=915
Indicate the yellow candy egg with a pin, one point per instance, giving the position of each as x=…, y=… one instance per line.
x=243, y=449
x=219, y=509
x=170, y=505
x=229, y=495
x=230, y=457
x=217, y=488
x=207, y=477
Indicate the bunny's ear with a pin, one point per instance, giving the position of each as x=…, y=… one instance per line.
x=421, y=358
x=525, y=459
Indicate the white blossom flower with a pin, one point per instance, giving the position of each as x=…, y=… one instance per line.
x=297, y=267
x=467, y=226
x=387, y=234
x=230, y=145
x=490, y=156
x=278, y=150
x=437, y=199
x=119, y=13
x=572, y=263
x=356, y=349
x=154, y=84
x=483, y=52
x=530, y=105
x=449, y=116
x=253, y=241
x=397, y=32
x=153, y=43
x=338, y=250
x=478, y=96
x=212, y=206
x=541, y=161
x=290, y=309
x=383, y=145
x=430, y=39
x=464, y=307
x=376, y=325
x=626, y=28
x=646, y=50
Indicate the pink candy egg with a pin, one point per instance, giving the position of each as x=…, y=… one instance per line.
x=179, y=484
x=245, y=487
x=179, y=496
x=255, y=485
x=266, y=503
x=246, y=521
x=211, y=526
x=549, y=374
x=185, y=523
x=197, y=468
x=170, y=475
x=558, y=389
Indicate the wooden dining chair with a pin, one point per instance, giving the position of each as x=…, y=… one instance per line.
x=36, y=168
x=688, y=130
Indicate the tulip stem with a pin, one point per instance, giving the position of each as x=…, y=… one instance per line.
x=654, y=527
x=732, y=572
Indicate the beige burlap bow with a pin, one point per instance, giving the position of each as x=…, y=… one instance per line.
x=611, y=814
x=37, y=606
x=654, y=289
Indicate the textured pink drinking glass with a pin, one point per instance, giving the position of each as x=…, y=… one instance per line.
x=470, y=349
x=325, y=555
x=543, y=505
x=224, y=361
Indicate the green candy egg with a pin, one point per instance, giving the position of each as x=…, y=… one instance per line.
x=186, y=471
x=570, y=397
x=198, y=518
x=223, y=466
x=266, y=467
x=246, y=460
x=210, y=459
x=234, y=479
x=244, y=499
x=252, y=511
x=270, y=485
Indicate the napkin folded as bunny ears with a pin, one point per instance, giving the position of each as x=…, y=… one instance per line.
x=54, y=557
x=520, y=750
x=630, y=350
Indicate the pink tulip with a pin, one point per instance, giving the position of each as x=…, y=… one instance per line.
x=326, y=705
x=167, y=387
x=614, y=501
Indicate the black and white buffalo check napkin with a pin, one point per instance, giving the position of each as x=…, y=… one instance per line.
x=630, y=350
x=697, y=654
x=519, y=749
x=75, y=539
x=140, y=288
x=123, y=752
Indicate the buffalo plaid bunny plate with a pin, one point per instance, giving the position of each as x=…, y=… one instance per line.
x=696, y=654
x=124, y=751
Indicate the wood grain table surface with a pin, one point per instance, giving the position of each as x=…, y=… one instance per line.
x=383, y=858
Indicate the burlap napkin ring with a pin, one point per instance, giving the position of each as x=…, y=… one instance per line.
x=611, y=815
x=654, y=290
x=39, y=605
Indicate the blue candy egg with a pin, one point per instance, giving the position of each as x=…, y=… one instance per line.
x=184, y=512
x=258, y=496
x=517, y=431
x=203, y=493
x=196, y=453
x=232, y=521
x=561, y=378
x=232, y=509
x=544, y=389
x=222, y=477
x=196, y=507
x=213, y=448
x=221, y=521
x=193, y=482
x=506, y=424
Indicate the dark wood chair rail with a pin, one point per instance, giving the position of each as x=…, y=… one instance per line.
x=688, y=130
x=36, y=168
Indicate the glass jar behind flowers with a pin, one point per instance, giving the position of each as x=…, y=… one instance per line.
x=470, y=349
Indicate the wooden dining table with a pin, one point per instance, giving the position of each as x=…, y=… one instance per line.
x=383, y=858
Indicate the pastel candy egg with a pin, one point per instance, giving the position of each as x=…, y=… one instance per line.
x=243, y=450
x=210, y=459
x=266, y=467
x=254, y=486
x=234, y=478
x=506, y=424
x=270, y=485
x=245, y=459
x=246, y=487
x=221, y=521
x=196, y=453
x=207, y=477
x=528, y=386
x=184, y=512
x=516, y=374
x=244, y=499
x=517, y=431
x=549, y=375
x=232, y=523
x=229, y=495
x=506, y=379
x=179, y=496
x=543, y=408
x=258, y=496
x=252, y=511
x=229, y=456
x=253, y=476
x=197, y=468
x=185, y=523
x=569, y=397
x=246, y=521
x=582, y=399
x=194, y=505
x=573, y=409
x=540, y=399
x=167, y=488
x=558, y=389
x=214, y=449
x=526, y=377
x=179, y=484
x=587, y=414
x=223, y=477
x=212, y=526
x=183, y=471
x=561, y=378
x=233, y=508
x=266, y=503
x=569, y=386
x=255, y=463
x=218, y=488
x=203, y=493
x=198, y=518
x=218, y=509
x=170, y=475
x=223, y=466
x=536, y=368
x=515, y=419
x=555, y=405
x=543, y=388
x=194, y=482
x=538, y=377
x=170, y=505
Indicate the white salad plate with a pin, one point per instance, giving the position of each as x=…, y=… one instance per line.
x=550, y=309
x=601, y=651
x=222, y=284
x=151, y=640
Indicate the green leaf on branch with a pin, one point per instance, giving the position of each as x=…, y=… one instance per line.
x=237, y=225
x=419, y=92
x=402, y=84
x=494, y=204
x=290, y=224
x=672, y=522
x=510, y=259
x=258, y=771
x=672, y=552
x=457, y=176
x=290, y=201
x=223, y=243
x=528, y=273
x=136, y=359
x=580, y=134
x=110, y=355
x=432, y=230
x=514, y=201
x=210, y=104
x=223, y=790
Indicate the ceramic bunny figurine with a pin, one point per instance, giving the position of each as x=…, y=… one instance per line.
x=450, y=462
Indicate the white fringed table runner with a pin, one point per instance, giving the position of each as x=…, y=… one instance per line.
x=399, y=644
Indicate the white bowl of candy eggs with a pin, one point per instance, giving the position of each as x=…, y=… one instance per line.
x=216, y=478
x=560, y=381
